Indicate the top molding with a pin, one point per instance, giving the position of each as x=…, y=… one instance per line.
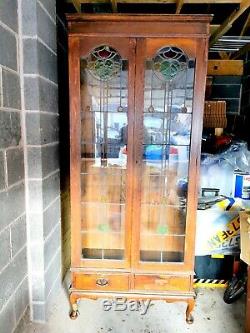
x=138, y=25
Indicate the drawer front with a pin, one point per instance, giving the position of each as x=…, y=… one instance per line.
x=162, y=282
x=100, y=282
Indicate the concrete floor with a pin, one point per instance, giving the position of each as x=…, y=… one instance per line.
x=211, y=315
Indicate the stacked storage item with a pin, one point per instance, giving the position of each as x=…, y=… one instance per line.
x=215, y=114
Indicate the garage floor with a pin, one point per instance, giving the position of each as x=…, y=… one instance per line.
x=211, y=315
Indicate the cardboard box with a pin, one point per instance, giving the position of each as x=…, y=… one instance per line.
x=218, y=228
x=245, y=236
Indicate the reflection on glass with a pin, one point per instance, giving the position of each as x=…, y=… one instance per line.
x=103, y=230
x=168, y=95
x=104, y=99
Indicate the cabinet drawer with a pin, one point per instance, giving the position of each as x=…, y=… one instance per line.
x=162, y=282
x=105, y=282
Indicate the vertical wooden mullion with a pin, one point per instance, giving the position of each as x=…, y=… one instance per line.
x=130, y=144
x=194, y=164
x=138, y=148
x=75, y=150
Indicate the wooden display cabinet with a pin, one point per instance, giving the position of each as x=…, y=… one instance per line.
x=137, y=86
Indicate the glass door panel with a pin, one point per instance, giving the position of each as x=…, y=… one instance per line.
x=104, y=133
x=167, y=119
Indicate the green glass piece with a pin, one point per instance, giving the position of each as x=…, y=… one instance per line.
x=169, y=69
x=162, y=229
x=103, y=227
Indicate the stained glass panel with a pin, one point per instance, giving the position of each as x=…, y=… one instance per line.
x=168, y=62
x=168, y=102
x=104, y=125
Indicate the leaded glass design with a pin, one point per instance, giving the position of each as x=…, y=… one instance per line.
x=104, y=63
x=104, y=127
x=168, y=103
x=168, y=62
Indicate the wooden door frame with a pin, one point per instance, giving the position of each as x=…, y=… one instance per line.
x=78, y=47
x=196, y=48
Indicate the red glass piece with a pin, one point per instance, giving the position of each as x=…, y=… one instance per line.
x=104, y=54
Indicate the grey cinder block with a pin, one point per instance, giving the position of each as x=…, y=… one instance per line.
x=39, y=312
x=52, y=244
x=15, y=165
x=8, y=13
x=38, y=287
x=52, y=273
x=31, y=93
x=47, y=63
x=15, y=125
x=51, y=188
x=21, y=299
x=8, y=49
x=35, y=196
x=5, y=129
x=10, y=129
x=48, y=96
x=35, y=167
x=30, y=56
x=12, y=275
x=42, y=128
x=51, y=216
x=12, y=204
x=18, y=235
x=42, y=192
x=7, y=317
x=46, y=29
x=11, y=90
x=42, y=160
x=38, y=59
x=2, y=171
x=36, y=226
x=40, y=95
x=5, y=248
x=50, y=6
x=29, y=17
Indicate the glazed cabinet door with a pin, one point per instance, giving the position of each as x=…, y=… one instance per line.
x=102, y=112
x=168, y=108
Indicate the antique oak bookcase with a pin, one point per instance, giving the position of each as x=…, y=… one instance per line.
x=137, y=87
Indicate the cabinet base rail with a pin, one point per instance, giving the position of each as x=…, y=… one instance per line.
x=77, y=295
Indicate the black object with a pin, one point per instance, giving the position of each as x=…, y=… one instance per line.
x=207, y=267
x=213, y=144
x=237, y=286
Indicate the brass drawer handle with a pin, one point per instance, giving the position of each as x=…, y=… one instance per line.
x=162, y=282
x=102, y=282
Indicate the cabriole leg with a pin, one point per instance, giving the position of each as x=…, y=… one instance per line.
x=190, y=308
x=74, y=307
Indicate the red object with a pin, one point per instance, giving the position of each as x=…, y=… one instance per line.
x=125, y=150
x=104, y=54
x=173, y=151
x=222, y=140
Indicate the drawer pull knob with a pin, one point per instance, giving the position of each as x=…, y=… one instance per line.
x=161, y=281
x=102, y=282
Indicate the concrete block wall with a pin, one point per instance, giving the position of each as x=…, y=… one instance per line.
x=30, y=212
x=41, y=128
x=14, y=295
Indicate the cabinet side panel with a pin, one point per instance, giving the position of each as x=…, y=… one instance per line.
x=74, y=90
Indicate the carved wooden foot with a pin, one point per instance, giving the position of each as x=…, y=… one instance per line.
x=74, y=307
x=190, y=308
